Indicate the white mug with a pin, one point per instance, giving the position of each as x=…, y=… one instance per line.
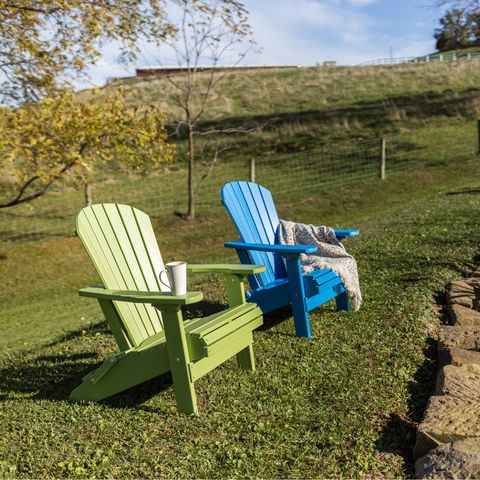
x=177, y=277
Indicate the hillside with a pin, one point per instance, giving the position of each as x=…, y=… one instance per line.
x=342, y=405
x=304, y=108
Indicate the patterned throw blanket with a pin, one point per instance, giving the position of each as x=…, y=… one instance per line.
x=330, y=254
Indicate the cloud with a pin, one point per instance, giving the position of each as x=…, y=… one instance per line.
x=312, y=31
x=308, y=31
x=361, y=3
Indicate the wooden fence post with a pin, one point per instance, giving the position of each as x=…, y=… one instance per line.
x=478, y=130
x=383, y=157
x=252, y=170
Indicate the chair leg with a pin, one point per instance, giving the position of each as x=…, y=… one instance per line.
x=300, y=317
x=179, y=360
x=297, y=296
x=246, y=359
x=342, y=302
x=184, y=392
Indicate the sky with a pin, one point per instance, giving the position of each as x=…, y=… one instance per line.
x=308, y=32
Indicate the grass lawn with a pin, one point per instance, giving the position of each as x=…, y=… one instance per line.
x=341, y=405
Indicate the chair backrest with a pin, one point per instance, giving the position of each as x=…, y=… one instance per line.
x=253, y=212
x=121, y=244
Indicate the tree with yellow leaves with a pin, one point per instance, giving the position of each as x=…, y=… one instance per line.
x=44, y=43
x=42, y=142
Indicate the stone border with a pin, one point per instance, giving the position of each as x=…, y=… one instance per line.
x=448, y=438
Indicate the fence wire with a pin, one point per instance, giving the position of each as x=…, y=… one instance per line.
x=165, y=194
x=304, y=171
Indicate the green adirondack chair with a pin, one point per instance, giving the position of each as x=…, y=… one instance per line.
x=146, y=319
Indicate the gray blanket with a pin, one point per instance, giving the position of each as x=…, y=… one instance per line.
x=330, y=254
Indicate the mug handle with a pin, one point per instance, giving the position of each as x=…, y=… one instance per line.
x=160, y=278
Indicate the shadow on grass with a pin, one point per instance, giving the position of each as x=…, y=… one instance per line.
x=476, y=259
x=399, y=435
x=52, y=376
x=202, y=309
x=14, y=236
x=375, y=114
x=274, y=318
x=464, y=191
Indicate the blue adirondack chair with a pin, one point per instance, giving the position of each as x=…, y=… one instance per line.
x=253, y=212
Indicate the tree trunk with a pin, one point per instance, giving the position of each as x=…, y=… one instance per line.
x=191, y=191
x=88, y=194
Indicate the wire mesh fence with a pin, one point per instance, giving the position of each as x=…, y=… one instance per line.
x=323, y=167
x=165, y=193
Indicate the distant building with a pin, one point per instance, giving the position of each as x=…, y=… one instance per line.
x=330, y=64
x=158, y=70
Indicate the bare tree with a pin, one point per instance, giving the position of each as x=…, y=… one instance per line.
x=208, y=32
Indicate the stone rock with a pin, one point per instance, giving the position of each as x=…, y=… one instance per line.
x=460, y=382
x=457, y=460
x=458, y=357
x=446, y=420
x=476, y=273
x=467, y=338
x=461, y=292
x=463, y=316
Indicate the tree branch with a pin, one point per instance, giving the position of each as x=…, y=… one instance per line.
x=211, y=167
x=24, y=8
x=239, y=130
x=18, y=199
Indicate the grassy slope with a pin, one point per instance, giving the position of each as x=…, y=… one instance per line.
x=339, y=405
x=308, y=107
x=426, y=111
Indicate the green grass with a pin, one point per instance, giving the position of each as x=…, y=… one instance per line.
x=427, y=111
x=164, y=193
x=303, y=108
x=341, y=405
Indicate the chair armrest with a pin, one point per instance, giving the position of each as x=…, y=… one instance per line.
x=341, y=234
x=283, y=250
x=227, y=269
x=154, y=298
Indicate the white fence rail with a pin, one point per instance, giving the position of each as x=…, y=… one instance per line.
x=447, y=57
